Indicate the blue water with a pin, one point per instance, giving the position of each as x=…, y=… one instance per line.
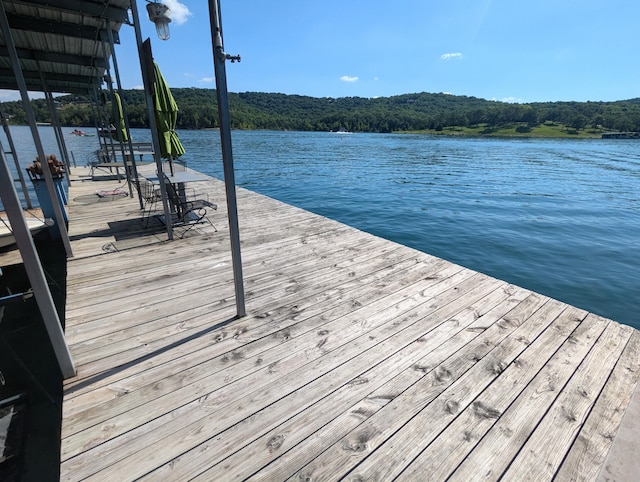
x=560, y=217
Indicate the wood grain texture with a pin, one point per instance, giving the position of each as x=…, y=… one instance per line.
x=359, y=358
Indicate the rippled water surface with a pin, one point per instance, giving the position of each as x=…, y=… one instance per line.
x=560, y=217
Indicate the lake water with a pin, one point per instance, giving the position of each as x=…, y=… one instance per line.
x=560, y=217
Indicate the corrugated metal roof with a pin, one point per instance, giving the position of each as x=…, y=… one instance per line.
x=63, y=40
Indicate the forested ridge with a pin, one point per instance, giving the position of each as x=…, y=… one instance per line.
x=408, y=112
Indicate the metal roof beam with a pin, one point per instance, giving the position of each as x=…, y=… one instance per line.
x=33, y=85
x=51, y=76
x=31, y=24
x=90, y=9
x=96, y=62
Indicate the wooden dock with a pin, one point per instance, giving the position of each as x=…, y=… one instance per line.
x=359, y=358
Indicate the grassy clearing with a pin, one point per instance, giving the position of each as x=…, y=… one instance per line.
x=547, y=130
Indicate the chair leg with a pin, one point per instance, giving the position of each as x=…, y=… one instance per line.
x=145, y=219
x=146, y=213
x=201, y=215
x=191, y=224
x=213, y=225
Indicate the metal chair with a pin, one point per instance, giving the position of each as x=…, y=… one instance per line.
x=150, y=195
x=189, y=212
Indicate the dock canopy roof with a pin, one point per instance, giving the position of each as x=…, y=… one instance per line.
x=62, y=39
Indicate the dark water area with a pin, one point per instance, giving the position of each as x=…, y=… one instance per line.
x=28, y=367
x=560, y=217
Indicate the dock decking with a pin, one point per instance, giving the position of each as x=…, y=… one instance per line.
x=359, y=358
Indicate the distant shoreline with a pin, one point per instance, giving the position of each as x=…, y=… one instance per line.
x=543, y=131
x=422, y=111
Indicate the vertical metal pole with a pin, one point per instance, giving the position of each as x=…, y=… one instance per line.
x=106, y=140
x=55, y=123
x=219, y=58
x=96, y=112
x=124, y=113
x=125, y=163
x=98, y=120
x=17, y=70
x=146, y=64
x=34, y=270
x=12, y=146
x=63, y=145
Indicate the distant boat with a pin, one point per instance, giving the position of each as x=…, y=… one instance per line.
x=6, y=235
x=78, y=132
x=342, y=130
x=106, y=131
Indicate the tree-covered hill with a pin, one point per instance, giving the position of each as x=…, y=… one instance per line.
x=408, y=112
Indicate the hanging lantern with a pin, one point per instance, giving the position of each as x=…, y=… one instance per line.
x=160, y=15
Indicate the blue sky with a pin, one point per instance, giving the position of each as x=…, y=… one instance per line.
x=507, y=50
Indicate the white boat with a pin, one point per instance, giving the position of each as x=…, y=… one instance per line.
x=6, y=235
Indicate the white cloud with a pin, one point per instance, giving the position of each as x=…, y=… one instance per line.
x=512, y=100
x=452, y=55
x=138, y=87
x=207, y=80
x=348, y=78
x=179, y=12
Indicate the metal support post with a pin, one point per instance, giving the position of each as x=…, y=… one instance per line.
x=219, y=58
x=55, y=123
x=17, y=70
x=146, y=65
x=125, y=162
x=124, y=112
x=16, y=161
x=34, y=270
x=55, y=120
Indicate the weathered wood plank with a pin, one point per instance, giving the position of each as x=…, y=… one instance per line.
x=502, y=443
x=433, y=402
x=247, y=396
x=450, y=448
x=215, y=271
x=588, y=453
x=257, y=340
x=282, y=360
x=546, y=448
x=144, y=346
x=276, y=317
x=358, y=358
x=309, y=274
x=479, y=336
x=341, y=409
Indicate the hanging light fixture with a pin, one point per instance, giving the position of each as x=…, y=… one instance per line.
x=160, y=14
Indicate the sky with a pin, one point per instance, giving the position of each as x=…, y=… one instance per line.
x=505, y=50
